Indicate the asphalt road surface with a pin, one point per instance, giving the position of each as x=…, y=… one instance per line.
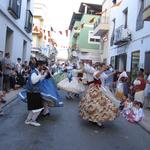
x=65, y=130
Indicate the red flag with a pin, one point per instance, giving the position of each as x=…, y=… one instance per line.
x=36, y=29
x=66, y=33
x=60, y=32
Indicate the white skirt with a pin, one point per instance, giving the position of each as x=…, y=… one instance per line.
x=74, y=86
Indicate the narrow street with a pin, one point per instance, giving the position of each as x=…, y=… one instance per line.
x=65, y=130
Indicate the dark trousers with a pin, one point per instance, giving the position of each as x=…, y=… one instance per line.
x=6, y=82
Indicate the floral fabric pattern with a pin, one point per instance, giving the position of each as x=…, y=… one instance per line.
x=95, y=106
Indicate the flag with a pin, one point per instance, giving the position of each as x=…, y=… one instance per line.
x=35, y=29
x=92, y=20
x=60, y=32
x=82, y=25
x=75, y=28
x=52, y=29
x=49, y=33
x=116, y=4
x=102, y=12
x=66, y=33
x=49, y=40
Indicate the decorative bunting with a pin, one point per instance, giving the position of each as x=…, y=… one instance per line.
x=82, y=25
x=49, y=33
x=35, y=29
x=66, y=33
x=52, y=29
x=102, y=12
x=92, y=20
x=75, y=28
x=60, y=32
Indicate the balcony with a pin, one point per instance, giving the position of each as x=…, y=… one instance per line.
x=122, y=35
x=29, y=21
x=14, y=8
x=40, y=10
x=101, y=27
x=146, y=13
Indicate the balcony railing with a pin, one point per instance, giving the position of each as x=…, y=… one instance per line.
x=14, y=8
x=146, y=13
x=29, y=21
x=122, y=35
x=101, y=26
x=102, y=20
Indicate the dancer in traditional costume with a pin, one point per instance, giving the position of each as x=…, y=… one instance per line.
x=97, y=106
x=75, y=84
x=34, y=99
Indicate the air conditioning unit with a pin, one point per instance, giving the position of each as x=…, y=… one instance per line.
x=126, y=34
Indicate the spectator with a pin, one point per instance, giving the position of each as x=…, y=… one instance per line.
x=139, y=86
x=18, y=65
x=147, y=94
x=6, y=68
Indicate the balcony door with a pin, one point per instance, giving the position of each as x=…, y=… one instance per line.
x=147, y=62
x=9, y=41
x=135, y=60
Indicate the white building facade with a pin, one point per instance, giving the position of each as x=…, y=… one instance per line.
x=15, y=27
x=129, y=37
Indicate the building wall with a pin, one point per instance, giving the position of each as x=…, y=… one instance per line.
x=104, y=52
x=84, y=34
x=17, y=26
x=140, y=38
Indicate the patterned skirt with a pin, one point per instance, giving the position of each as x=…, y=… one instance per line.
x=74, y=86
x=95, y=106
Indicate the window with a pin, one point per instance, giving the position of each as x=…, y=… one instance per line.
x=125, y=12
x=114, y=1
x=113, y=32
x=15, y=8
x=29, y=20
x=140, y=21
x=93, y=39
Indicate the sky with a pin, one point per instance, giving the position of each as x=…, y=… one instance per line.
x=60, y=14
x=60, y=11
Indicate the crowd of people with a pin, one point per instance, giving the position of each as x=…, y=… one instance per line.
x=97, y=86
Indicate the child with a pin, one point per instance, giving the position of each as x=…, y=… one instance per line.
x=136, y=114
x=122, y=103
x=128, y=104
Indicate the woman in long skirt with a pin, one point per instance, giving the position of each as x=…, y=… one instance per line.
x=96, y=106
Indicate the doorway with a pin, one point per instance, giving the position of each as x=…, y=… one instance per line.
x=24, y=50
x=9, y=41
x=135, y=60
